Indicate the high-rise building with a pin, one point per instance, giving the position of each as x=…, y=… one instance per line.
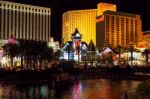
x=24, y=21
x=84, y=20
x=117, y=28
x=105, y=26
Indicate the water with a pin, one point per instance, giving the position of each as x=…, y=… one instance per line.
x=83, y=89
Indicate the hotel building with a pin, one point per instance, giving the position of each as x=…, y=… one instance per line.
x=104, y=25
x=83, y=20
x=24, y=21
x=117, y=28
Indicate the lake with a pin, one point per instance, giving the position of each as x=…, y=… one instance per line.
x=82, y=89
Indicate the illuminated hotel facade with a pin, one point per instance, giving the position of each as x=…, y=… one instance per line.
x=106, y=27
x=117, y=28
x=84, y=20
x=24, y=21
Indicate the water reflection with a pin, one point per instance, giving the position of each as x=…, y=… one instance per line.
x=84, y=89
x=99, y=89
x=24, y=91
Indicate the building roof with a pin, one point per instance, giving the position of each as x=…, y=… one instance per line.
x=121, y=13
x=75, y=32
x=91, y=46
x=107, y=49
x=79, y=11
x=146, y=32
x=84, y=43
x=24, y=5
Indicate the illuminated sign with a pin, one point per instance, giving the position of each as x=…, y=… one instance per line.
x=77, y=43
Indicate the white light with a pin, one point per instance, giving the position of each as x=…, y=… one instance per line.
x=4, y=60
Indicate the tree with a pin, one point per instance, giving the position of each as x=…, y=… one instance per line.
x=10, y=50
x=119, y=49
x=21, y=50
x=69, y=48
x=109, y=57
x=57, y=55
x=34, y=52
x=146, y=53
x=143, y=90
x=47, y=55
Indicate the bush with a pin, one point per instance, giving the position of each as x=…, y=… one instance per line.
x=143, y=90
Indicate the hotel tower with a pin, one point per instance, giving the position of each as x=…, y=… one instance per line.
x=118, y=28
x=83, y=20
x=104, y=25
x=24, y=21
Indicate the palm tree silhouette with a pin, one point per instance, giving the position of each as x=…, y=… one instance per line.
x=146, y=53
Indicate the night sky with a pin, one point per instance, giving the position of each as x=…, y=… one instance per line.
x=58, y=7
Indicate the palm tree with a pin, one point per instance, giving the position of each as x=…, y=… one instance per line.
x=69, y=48
x=22, y=45
x=46, y=54
x=131, y=50
x=57, y=55
x=143, y=90
x=11, y=50
x=146, y=53
x=109, y=57
x=119, y=49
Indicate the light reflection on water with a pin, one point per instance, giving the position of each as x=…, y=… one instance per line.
x=84, y=89
x=99, y=89
x=12, y=91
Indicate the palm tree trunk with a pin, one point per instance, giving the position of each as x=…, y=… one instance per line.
x=21, y=61
x=146, y=58
x=119, y=57
x=34, y=62
x=11, y=62
x=27, y=63
x=40, y=63
x=131, y=56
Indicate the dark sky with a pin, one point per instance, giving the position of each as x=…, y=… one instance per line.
x=58, y=7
